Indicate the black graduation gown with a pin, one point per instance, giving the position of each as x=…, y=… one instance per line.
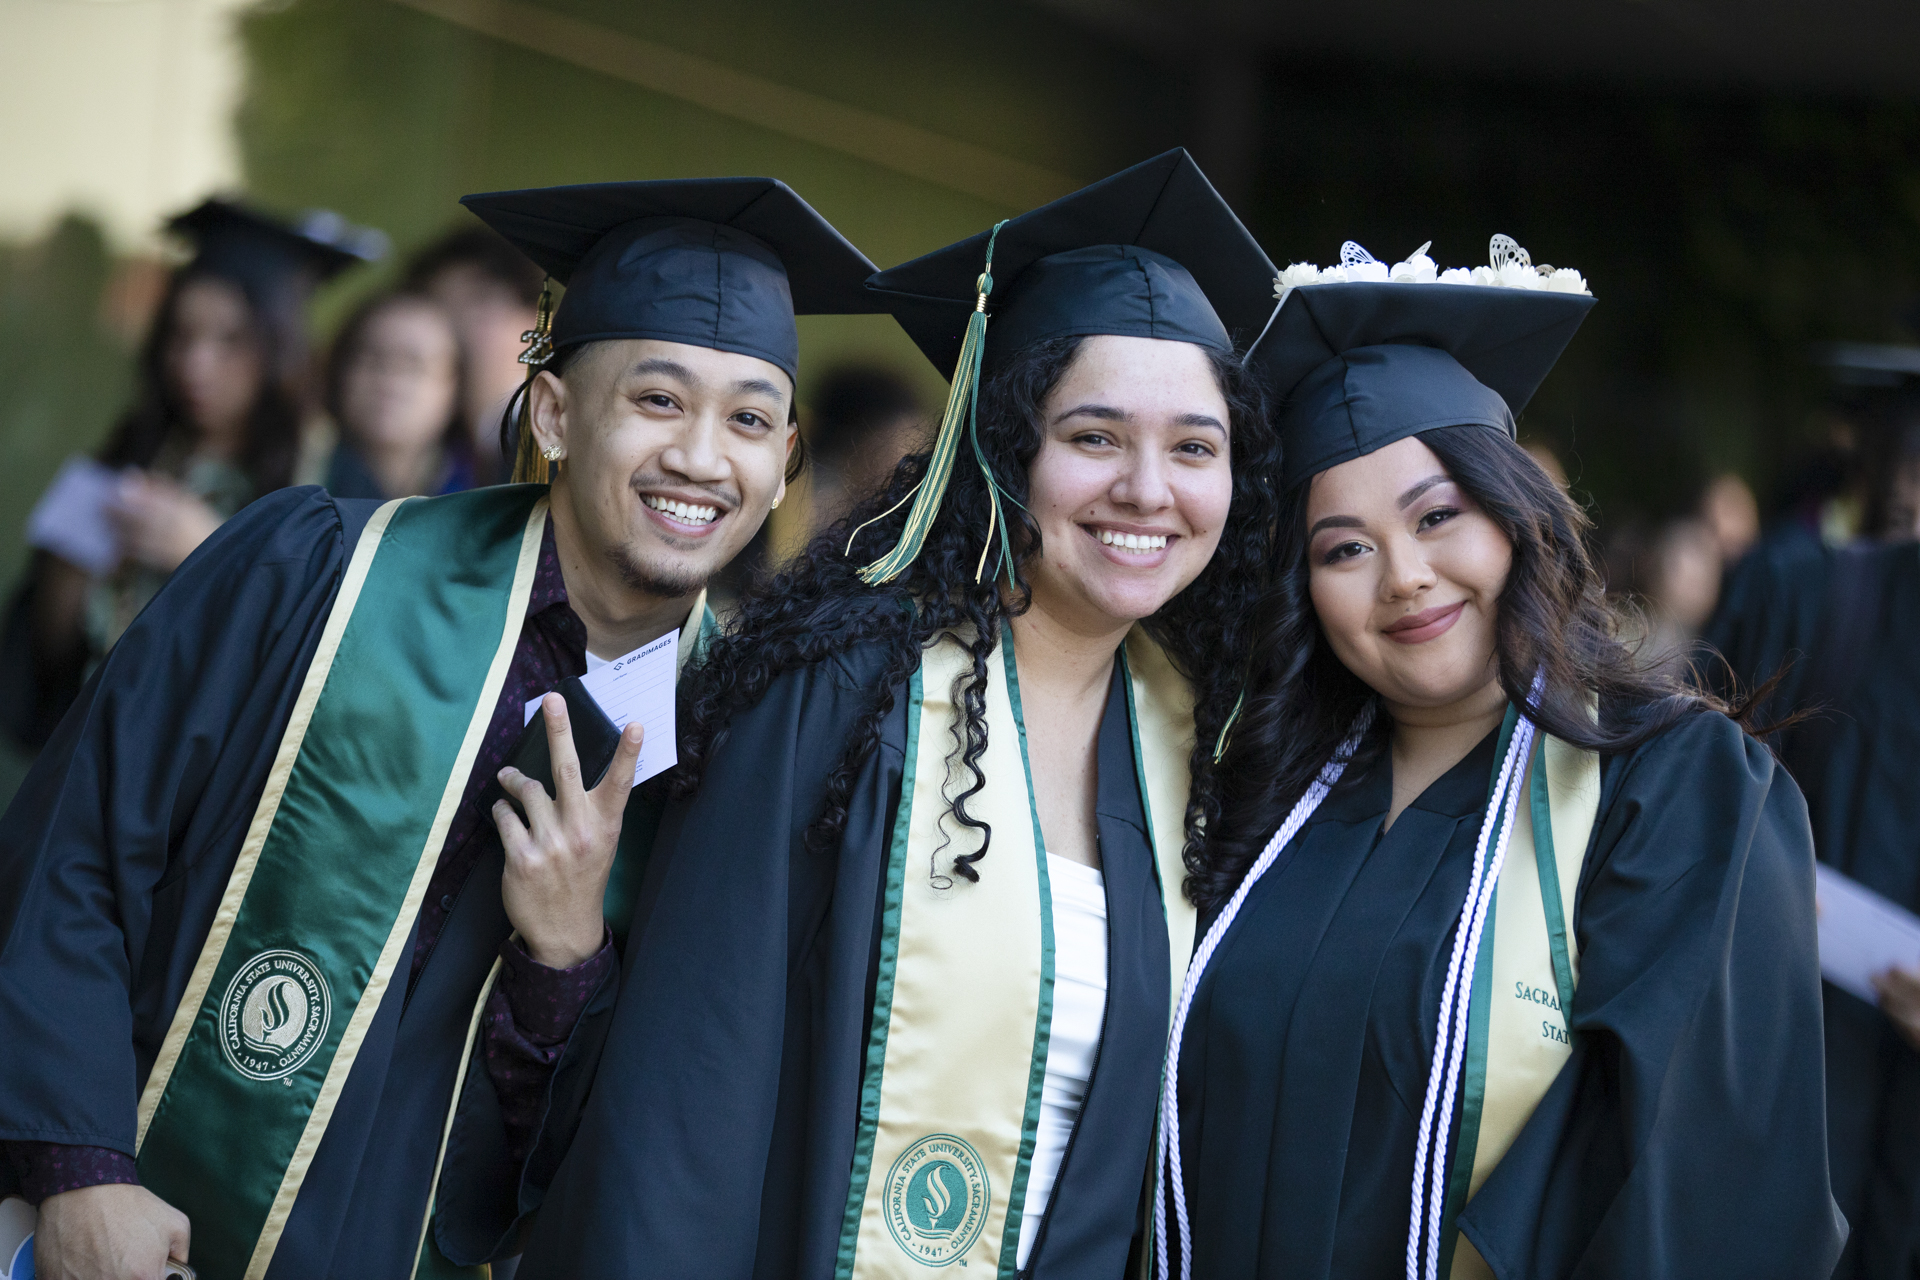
x=719, y=1134
x=116, y=851
x=1841, y=624
x=1684, y=1137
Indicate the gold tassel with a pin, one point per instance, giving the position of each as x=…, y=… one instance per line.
x=528, y=466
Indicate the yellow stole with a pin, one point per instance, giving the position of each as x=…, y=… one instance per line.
x=1532, y=977
x=963, y=1000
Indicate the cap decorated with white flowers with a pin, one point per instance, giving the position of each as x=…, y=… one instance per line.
x=1362, y=354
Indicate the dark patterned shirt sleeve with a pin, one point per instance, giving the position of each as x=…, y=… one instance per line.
x=45, y=1169
x=530, y=1013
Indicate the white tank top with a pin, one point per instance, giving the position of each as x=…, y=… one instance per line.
x=1079, y=1010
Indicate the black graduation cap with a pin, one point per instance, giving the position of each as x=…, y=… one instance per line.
x=723, y=263
x=257, y=250
x=1151, y=252
x=1357, y=366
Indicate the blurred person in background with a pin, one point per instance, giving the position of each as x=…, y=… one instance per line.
x=865, y=420
x=393, y=389
x=1732, y=516
x=1833, y=623
x=222, y=390
x=1893, y=500
x=1668, y=579
x=1665, y=578
x=492, y=291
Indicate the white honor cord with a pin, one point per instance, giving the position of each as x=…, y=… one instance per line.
x=1167, y=1155
x=1450, y=1031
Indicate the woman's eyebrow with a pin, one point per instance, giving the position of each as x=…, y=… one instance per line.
x=1407, y=498
x=1336, y=522
x=1104, y=412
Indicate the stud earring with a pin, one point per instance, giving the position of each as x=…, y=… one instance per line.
x=553, y=453
x=775, y=506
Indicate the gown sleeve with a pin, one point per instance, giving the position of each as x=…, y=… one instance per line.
x=721, y=1119
x=1686, y=1135
x=136, y=794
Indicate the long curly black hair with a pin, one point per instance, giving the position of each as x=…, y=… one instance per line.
x=1554, y=618
x=818, y=606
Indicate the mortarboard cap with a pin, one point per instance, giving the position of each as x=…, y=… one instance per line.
x=1357, y=365
x=1151, y=252
x=268, y=255
x=723, y=263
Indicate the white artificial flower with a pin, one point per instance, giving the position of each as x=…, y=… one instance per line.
x=1375, y=272
x=1517, y=275
x=1565, y=280
x=1334, y=275
x=1419, y=269
x=1484, y=276
x=1457, y=275
x=1293, y=277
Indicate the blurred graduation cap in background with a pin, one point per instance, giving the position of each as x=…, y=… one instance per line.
x=270, y=257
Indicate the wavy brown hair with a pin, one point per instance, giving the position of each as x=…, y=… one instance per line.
x=818, y=607
x=1554, y=618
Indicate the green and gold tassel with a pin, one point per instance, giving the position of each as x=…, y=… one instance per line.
x=1226, y=730
x=962, y=411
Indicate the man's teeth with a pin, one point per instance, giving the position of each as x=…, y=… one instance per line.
x=685, y=513
x=1134, y=541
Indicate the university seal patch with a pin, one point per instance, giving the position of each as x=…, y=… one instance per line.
x=274, y=1015
x=937, y=1197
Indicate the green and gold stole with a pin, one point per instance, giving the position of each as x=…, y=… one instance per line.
x=1517, y=1026
x=315, y=918
x=950, y=1102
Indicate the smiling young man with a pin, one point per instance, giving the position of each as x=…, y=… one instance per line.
x=256, y=897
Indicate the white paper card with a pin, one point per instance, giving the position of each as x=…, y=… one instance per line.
x=639, y=687
x=73, y=517
x=1862, y=934
x=17, y=1219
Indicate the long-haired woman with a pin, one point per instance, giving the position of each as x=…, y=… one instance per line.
x=1508, y=962
x=902, y=967
x=220, y=395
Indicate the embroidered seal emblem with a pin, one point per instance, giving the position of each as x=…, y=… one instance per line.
x=274, y=1016
x=937, y=1196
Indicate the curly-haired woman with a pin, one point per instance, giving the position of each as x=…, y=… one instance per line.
x=905, y=955
x=1610, y=1067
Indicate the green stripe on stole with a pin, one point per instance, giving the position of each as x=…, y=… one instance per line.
x=1517, y=1029
x=950, y=1102
x=315, y=918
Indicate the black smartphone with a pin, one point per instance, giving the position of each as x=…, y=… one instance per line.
x=595, y=739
